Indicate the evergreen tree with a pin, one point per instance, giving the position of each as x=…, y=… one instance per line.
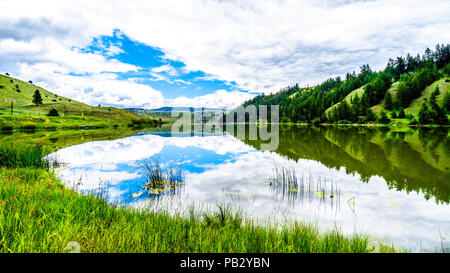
x=446, y=103
x=424, y=114
x=37, y=99
x=401, y=114
x=388, y=101
x=370, y=116
x=437, y=114
x=383, y=118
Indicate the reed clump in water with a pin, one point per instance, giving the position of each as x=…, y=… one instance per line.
x=162, y=178
x=287, y=184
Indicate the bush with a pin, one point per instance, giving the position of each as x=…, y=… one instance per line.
x=53, y=113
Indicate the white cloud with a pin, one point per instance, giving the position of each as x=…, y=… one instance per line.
x=219, y=99
x=262, y=46
x=168, y=69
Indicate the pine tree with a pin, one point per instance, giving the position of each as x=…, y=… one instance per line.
x=37, y=99
x=437, y=114
x=446, y=103
x=388, y=101
x=424, y=114
x=370, y=115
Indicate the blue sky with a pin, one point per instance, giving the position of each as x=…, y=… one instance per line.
x=206, y=53
x=155, y=70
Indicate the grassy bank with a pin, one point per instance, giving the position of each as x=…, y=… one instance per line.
x=39, y=214
x=32, y=122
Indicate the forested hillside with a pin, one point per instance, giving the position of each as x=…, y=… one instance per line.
x=363, y=98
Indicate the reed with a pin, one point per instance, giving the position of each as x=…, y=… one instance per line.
x=162, y=179
x=290, y=186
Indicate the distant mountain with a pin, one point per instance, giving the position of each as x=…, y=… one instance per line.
x=137, y=110
x=185, y=109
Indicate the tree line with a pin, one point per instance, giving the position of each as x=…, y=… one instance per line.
x=309, y=104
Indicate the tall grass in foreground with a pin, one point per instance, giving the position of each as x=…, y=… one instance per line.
x=38, y=214
x=22, y=156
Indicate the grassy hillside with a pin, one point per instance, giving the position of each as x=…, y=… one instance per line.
x=416, y=104
x=72, y=113
x=414, y=107
x=347, y=98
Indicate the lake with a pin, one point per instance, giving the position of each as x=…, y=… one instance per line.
x=393, y=184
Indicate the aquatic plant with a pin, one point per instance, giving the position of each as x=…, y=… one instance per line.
x=290, y=186
x=161, y=179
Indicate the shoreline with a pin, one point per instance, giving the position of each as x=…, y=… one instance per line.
x=98, y=226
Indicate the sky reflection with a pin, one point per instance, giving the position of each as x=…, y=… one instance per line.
x=224, y=169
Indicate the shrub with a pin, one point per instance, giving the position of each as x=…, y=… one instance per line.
x=53, y=113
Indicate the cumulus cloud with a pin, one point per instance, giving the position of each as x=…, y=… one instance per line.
x=219, y=99
x=261, y=46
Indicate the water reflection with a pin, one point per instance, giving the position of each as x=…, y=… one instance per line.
x=392, y=185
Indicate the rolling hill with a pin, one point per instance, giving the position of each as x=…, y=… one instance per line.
x=72, y=113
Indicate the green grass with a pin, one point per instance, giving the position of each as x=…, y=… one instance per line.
x=23, y=156
x=39, y=214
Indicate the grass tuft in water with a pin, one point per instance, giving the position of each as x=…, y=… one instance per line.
x=162, y=178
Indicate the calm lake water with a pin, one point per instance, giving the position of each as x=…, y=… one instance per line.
x=392, y=185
